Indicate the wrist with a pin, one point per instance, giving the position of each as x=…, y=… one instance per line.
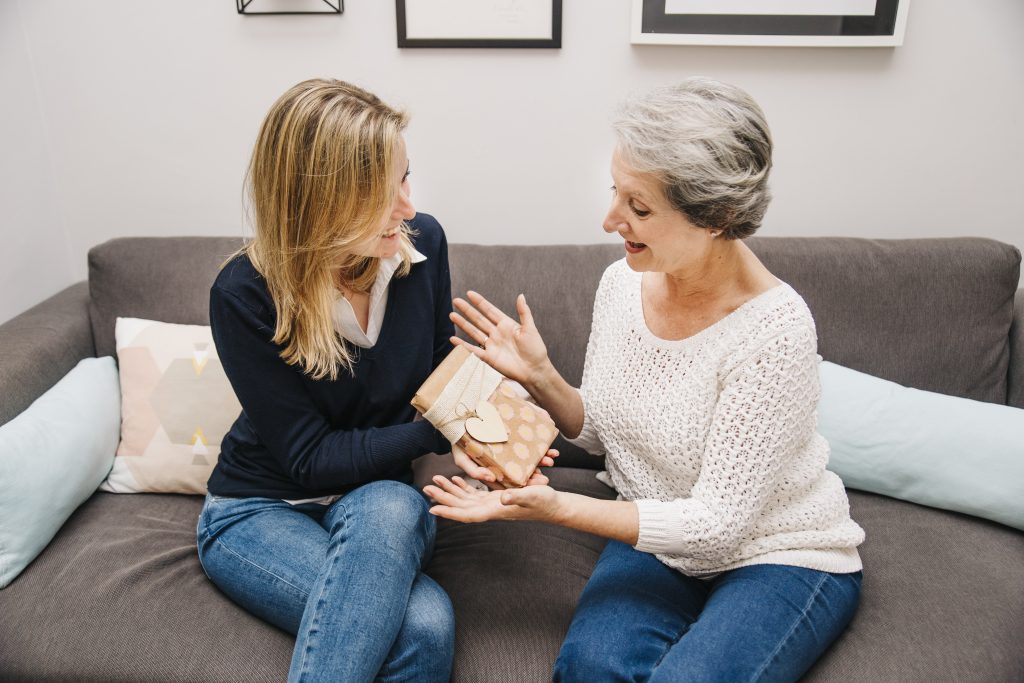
x=541, y=379
x=561, y=509
x=438, y=442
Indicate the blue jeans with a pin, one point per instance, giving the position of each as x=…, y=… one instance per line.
x=639, y=620
x=346, y=579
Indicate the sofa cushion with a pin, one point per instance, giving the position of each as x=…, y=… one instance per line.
x=932, y=314
x=941, y=599
x=156, y=278
x=52, y=457
x=944, y=451
x=177, y=405
x=119, y=595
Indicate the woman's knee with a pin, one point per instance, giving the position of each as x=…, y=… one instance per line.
x=393, y=510
x=586, y=661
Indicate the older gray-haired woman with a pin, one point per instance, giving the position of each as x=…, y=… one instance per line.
x=732, y=552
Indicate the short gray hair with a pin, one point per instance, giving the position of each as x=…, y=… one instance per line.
x=709, y=143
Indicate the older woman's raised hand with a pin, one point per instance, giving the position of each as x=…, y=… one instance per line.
x=515, y=349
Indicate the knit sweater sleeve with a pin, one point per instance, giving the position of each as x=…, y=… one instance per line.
x=764, y=414
x=287, y=420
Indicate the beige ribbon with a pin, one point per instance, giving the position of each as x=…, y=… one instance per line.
x=473, y=382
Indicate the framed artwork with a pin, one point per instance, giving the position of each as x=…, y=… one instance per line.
x=479, y=23
x=810, y=23
x=247, y=7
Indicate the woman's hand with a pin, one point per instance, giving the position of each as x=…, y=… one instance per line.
x=515, y=349
x=475, y=471
x=459, y=501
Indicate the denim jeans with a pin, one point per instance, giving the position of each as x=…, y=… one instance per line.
x=640, y=620
x=346, y=579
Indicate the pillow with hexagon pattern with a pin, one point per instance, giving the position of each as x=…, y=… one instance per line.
x=176, y=406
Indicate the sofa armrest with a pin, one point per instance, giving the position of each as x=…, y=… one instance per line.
x=41, y=345
x=1015, y=382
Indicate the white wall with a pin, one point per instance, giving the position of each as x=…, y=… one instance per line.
x=150, y=109
x=35, y=254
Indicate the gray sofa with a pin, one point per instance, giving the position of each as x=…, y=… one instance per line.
x=119, y=595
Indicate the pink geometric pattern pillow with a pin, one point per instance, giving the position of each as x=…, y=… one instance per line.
x=176, y=406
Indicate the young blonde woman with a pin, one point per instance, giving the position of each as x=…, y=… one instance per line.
x=326, y=324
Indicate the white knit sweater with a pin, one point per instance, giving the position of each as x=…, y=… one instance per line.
x=714, y=436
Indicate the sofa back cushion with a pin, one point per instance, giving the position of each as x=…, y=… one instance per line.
x=1016, y=388
x=931, y=314
x=155, y=278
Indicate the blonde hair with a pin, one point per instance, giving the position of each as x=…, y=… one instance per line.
x=321, y=180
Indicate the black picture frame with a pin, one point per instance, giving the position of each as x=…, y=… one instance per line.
x=334, y=7
x=555, y=41
x=653, y=25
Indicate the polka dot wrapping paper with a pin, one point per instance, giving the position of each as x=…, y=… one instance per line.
x=530, y=430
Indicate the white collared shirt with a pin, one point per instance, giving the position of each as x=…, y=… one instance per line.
x=345, y=322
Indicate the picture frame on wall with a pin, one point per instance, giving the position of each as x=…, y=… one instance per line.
x=807, y=23
x=479, y=23
x=278, y=7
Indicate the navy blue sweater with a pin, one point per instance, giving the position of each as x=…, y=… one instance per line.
x=302, y=438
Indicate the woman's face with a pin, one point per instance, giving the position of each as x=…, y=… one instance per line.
x=657, y=237
x=385, y=243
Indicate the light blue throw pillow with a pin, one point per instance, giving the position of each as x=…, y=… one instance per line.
x=53, y=456
x=928, y=448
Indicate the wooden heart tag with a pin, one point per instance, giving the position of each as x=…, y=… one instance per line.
x=487, y=426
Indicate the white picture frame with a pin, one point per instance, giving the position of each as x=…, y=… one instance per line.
x=479, y=23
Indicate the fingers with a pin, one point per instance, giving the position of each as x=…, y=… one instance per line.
x=469, y=466
x=525, y=314
x=475, y=350
x=473, y=315
x=474, y=332
x=549, y=458
x=443, y=497
x=461, y=483
x=492, y=312
x=454, y=492
x=447, y=486
x=538, y=479
x=521, y=497
x=458, y=514
x=454, y=514
x=495, y=485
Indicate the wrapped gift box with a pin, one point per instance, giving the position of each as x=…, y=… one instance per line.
x=491, y=417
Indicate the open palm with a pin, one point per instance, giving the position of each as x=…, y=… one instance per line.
x=515, y=349
x=459, y=501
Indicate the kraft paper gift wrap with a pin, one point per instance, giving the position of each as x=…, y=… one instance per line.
x=516, y=432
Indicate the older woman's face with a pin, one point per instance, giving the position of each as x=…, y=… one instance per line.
x=657, y=238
